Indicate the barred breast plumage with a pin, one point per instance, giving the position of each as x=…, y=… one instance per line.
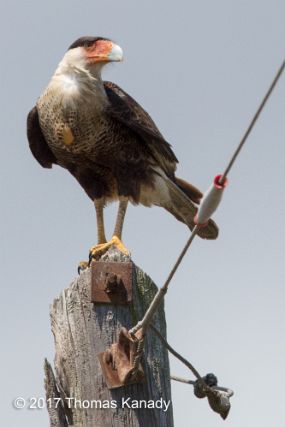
x=76, y=128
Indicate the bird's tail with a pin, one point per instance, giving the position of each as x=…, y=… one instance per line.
x=179, y=204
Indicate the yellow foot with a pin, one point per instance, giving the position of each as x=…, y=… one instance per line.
x=82, y=266
x=97, y=251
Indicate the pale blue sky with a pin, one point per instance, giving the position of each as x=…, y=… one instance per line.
x=200, y=68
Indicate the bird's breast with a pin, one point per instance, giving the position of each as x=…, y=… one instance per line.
x=75, y=127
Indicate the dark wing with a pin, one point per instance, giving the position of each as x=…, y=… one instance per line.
x=125, y=109
x=37, y=142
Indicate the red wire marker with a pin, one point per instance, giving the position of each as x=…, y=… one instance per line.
x=210, y=201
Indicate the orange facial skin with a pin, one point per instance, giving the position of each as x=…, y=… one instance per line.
x=99, y=51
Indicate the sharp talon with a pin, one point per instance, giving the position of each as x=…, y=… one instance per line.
x=97, y=251
x=90, y=257
x=82, y=266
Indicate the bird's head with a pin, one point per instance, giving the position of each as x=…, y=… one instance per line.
x=92, y=53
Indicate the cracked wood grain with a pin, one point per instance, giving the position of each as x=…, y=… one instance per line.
x=81, y=331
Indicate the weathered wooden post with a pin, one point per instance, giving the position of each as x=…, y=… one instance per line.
x=77, y=394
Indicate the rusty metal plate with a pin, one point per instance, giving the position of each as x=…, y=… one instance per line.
x=120, y=364
x=111, y=282
x=111, y=373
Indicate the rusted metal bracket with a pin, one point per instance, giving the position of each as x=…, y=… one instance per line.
x=118, y=361
x=111, y=282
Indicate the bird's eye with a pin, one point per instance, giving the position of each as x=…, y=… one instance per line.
x=88, y=43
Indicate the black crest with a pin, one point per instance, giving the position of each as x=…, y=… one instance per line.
x=85, y=41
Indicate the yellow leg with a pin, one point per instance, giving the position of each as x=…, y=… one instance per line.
x=102, y=247
x=97, y=251
x=99, y=207
x=123, y=204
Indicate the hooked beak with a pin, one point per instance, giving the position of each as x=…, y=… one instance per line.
x=104, y=51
